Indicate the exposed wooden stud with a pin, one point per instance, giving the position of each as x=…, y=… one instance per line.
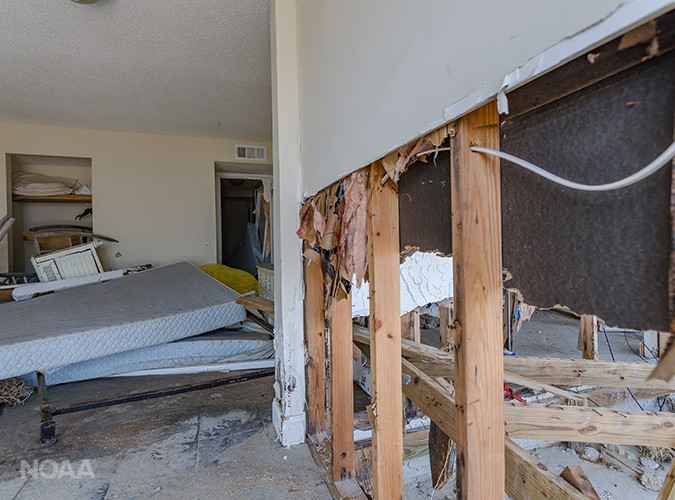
x=341, y=390
x=410, y=326
x=385, y=336
x=445, y=327
x=667, y=491
x=315, y=338
x=576, y=476
x=477, y=246
x=588, y=336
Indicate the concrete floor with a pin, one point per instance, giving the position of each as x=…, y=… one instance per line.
x=219, y=443
x=216, y=443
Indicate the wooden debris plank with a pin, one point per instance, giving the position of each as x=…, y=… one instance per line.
x=590, y=425
x=538, y=387
x=576, y=476
x=664, y=371
x=315, y=337
x=257, y=303
x=385, y=335
x=341, y=391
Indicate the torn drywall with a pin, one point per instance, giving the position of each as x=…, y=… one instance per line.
x=426, y=278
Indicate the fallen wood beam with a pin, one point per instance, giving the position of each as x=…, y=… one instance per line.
x=576, y=476
x=608, y=398
x=537, y=387
x=665, y=370
x=257, y=303
x=589, y=425
x=526, y=477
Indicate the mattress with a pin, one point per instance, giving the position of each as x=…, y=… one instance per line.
x=211, y=347
x=154, y=307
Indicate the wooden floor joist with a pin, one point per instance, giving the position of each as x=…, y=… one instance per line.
x=385, y=335
x=315, y=338
x=341, y=391
x=477, y=301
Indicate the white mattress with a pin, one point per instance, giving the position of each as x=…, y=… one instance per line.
x=208, y=348
x=145, y=309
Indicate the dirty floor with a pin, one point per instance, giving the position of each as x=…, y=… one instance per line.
x=216, y=443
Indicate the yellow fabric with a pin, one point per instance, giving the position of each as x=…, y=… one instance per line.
x=238, y=280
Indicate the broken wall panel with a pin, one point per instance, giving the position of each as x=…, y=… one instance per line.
x=424, y=205
x=604, y=253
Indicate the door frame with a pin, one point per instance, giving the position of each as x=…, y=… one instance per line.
x=266, y=180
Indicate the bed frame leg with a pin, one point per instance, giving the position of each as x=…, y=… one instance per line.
x=47, y=424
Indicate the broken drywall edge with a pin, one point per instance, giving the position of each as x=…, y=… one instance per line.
x=472, y=100
x=425, y=278
x=625, y=17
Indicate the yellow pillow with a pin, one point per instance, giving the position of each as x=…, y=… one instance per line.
x=238, y=280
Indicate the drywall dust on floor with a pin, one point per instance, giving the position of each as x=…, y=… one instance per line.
x=217, y=443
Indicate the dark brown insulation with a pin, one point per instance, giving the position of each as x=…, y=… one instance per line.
x=424, y=205
x=601, y=253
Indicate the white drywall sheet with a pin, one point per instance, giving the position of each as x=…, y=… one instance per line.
x=374, y=75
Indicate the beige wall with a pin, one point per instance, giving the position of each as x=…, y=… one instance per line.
x=154, y=193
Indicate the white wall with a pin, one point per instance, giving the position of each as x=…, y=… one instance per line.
x=374, y=75
x=154, y=193
x=288, y=409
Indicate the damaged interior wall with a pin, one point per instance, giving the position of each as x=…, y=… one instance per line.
x=154, y=193
x=603, y=253
x=375, y=75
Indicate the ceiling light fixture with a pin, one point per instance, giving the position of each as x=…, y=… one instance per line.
x=84, y=1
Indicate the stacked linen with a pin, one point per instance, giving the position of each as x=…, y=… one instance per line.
x=34, y=184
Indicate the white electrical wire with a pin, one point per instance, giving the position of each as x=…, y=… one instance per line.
x=659, y=162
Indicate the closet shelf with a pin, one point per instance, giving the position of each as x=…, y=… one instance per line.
x=62, y=198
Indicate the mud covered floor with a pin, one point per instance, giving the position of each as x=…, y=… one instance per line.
x=216, y=443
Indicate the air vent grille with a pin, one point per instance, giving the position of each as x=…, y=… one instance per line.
x=247, y=152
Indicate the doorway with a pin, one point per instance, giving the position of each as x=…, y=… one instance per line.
x=244, y=220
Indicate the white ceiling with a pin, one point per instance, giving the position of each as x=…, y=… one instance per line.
x=160, y=66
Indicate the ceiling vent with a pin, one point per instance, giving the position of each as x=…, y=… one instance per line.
x=244, y=152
